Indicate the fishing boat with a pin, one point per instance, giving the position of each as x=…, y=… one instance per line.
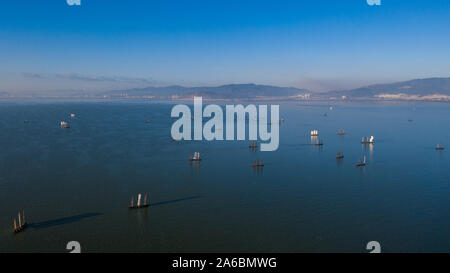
x=440, y=146
x=367, y=140
x=25, y=121
x=314, y=132
x=340, y=155
x=72, y=115
x=258, y=163
x=318, y=143
x=195, y=157
x=341, y=132
x=362, y=162
x=253, y=145
x=64, y=124
x=139, y=203
x=21, y=224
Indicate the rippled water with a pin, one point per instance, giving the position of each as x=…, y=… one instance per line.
x=76, y=184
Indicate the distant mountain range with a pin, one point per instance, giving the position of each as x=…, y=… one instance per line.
x=419, y=89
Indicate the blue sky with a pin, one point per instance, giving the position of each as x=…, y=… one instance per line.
x=317, y=44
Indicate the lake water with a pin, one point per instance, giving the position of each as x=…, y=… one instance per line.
x=75, y=184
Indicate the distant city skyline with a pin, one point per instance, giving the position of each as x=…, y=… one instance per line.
x=319, y=45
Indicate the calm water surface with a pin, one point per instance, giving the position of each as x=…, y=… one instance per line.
x=76, y=184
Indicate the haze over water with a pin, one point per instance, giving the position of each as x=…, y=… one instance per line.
x=75, y=184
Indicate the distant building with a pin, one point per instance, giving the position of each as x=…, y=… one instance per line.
x=305, y=96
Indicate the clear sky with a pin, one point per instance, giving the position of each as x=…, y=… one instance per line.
x=317, y=44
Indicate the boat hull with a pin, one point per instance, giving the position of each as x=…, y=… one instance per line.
x=21, y=228
x=138, y=207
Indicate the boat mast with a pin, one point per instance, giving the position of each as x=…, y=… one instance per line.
x=20, y=223
x=139, y=200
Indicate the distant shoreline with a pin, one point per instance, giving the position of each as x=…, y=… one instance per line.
x=219, y=100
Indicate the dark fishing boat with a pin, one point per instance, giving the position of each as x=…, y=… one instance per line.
x=22, y=224
x=318, y=143
x=253, y=145
x=258, y=163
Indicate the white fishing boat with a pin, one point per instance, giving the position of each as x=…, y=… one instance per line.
x=440, y=146
x=367, y=140
x=195, y=157
x=72, y=115
x=341, y=132
x=64, y=124
x=314, y=132
x=362, y=162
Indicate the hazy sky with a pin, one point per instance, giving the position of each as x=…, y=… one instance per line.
x=317, y=44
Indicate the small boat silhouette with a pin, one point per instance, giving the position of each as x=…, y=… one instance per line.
x=258, y=163
x=21, y=225
x=362, y=162
x=139, y=204
x=195, y=157
x=64, y=124
x=318, y=143
x=340, y=155
x=253, y=145
x=440, y=146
